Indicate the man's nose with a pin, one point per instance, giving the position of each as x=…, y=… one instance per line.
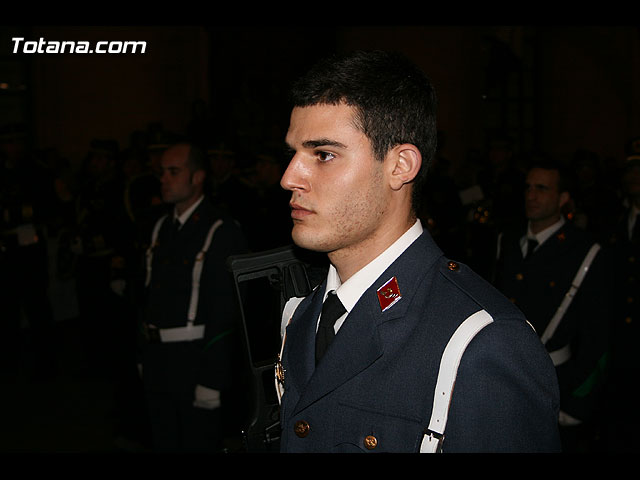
x=295, y=177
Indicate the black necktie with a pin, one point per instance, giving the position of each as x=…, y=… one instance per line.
x=175, y=226
x=532, y=243
x=332, y=310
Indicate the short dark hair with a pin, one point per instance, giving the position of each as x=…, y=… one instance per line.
x=395, y=102
x=196, y=158
x=547, y=162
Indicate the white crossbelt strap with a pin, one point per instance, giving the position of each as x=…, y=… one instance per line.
x=197, y=271
x=191, y=331
x=154, y=239
x=563, y=354
x=449, y=363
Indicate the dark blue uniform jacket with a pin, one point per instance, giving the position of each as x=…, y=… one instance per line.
x=378, y=376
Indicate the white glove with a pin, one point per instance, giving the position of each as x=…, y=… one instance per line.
x=117, y=286
x=206, y=398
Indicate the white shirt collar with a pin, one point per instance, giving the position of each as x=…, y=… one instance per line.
x=350, y=291
x=187, y=213
x=544, y=235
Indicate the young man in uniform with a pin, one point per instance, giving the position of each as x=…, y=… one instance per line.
x=557, y=275
x=189, y=310
x=362, y=134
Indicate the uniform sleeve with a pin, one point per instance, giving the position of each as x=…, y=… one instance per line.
x=506, y=395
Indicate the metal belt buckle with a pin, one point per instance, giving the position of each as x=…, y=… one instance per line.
x=437, y=436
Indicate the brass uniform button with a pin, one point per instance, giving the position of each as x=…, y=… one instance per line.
x=370, y=442
x=629, y=299
x=453, y=266
x=627, y=320
x=301, y=428
x=552, y=284
x=519, y=276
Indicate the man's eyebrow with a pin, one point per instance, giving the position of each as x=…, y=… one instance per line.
x=537, y=185
x=322, y=142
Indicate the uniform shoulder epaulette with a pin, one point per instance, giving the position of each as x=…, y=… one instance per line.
x=477, y=288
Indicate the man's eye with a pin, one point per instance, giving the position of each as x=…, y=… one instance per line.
x=325, y=156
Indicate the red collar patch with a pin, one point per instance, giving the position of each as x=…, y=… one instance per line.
x=389, y=294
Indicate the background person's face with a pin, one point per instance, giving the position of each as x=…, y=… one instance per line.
x=176, y=182
x=543, y=201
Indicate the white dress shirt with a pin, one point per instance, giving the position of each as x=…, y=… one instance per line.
x=187, y=213
x=541, y=236
x=350, y=291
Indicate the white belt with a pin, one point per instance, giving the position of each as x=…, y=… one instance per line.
x=179, y=334
x=561, y=355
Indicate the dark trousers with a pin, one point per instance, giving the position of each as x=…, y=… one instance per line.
x=179, y=427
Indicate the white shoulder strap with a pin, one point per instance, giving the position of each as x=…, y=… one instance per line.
x=449, y=363
x=154, y=239
x=197, y=272
x=287, y=314
x=575, y=284
x=288, y=311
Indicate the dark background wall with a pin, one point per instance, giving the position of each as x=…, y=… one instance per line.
x=553, y=88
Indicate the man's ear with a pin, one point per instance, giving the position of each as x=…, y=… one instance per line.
x=405, y=161
x=563, y=199
x=197, y=178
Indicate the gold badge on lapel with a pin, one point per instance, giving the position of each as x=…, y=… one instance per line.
x=561, y=237
x=389, y=294
x=280, y=371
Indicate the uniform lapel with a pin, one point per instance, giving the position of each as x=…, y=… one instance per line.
x=300, y=340
x=356, y=346
x=556, y=244
x=358, y=343
x=199, y=215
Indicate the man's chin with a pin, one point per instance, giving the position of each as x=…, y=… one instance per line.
x=308, y=241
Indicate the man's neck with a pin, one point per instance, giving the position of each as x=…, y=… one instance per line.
x=536, y=226
x=182, y=207
x=349, y=261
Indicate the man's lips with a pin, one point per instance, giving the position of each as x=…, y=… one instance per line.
x=298, y=212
